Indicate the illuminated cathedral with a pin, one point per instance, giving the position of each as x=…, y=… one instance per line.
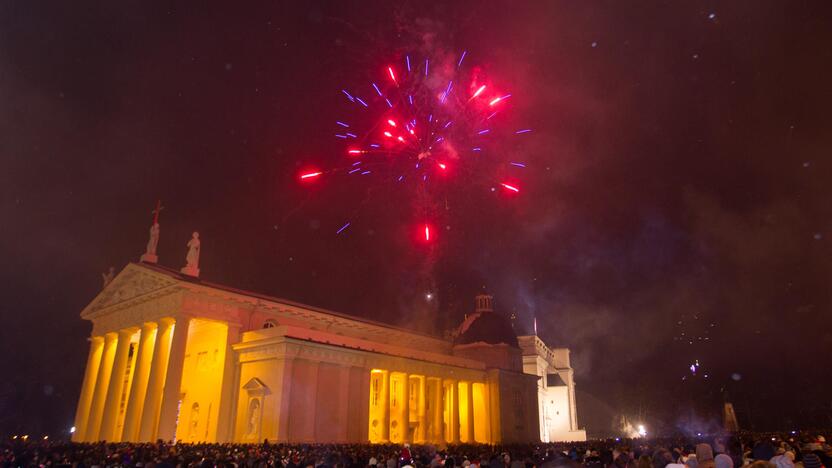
x=174, y=357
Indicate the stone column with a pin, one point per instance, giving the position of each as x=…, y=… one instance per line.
x=486, y=401
x=228, y=396
x=138, y=391
x=436, y=424
x=156, y=381
x=455, y=411
x=406, y=408
x=173, y=380
x=470, y=410
x=385, y=396
x=82, y=414
x=102, y=383
x=422, y=436
x=116, y=387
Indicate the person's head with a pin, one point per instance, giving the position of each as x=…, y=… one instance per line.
x=622, y=460
x=704, y=453
x=782, y=461
x=661, y=458
x=763, y=451
x=723, y=461
x=811, y=460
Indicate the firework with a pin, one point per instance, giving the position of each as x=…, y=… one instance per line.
x=419, y=120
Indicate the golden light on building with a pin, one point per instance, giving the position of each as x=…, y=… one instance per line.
x=175, y=358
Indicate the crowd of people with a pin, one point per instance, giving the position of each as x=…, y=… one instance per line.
x=730, y=451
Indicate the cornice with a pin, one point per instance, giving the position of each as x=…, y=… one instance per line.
x=286, y=348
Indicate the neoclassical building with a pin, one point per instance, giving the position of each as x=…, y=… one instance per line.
x=176, y=358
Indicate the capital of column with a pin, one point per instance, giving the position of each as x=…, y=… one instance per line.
x=127, y=332
x=165, y=321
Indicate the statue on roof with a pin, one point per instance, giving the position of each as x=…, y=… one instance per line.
x=192, y=259
x=150, y=254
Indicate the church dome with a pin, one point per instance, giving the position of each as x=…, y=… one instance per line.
x=486, y=326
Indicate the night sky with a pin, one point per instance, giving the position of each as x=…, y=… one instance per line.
x=675, y=206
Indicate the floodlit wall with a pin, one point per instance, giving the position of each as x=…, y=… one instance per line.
x=555, y=413
x=343, y=401
x=202, y=378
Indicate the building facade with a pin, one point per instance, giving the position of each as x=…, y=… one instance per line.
x=175, y=358
x=557, y=410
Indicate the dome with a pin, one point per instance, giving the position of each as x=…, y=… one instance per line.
x=491, y=328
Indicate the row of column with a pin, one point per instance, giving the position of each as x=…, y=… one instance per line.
x=445, y=409
x=151, y=389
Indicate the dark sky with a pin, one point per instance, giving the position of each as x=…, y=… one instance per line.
x=676, y=206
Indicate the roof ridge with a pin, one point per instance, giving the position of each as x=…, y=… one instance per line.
x=183, y=277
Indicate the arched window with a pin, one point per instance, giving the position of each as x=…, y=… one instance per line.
x=269, y=323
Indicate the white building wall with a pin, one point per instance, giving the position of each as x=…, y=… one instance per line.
x=557, y=411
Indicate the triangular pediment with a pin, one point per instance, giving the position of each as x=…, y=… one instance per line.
x=132, y=282
x=256, y=387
